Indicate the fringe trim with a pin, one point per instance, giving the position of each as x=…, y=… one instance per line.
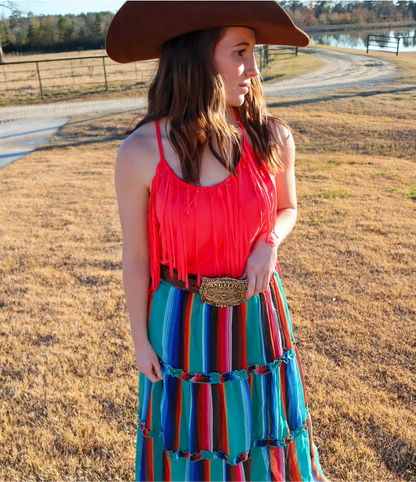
x=227, y=197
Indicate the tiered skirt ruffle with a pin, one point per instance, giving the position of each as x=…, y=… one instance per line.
x=232, y=402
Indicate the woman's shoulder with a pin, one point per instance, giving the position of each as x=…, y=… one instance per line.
x=280, y=131
x=283, y=137
x=141, y=144
x=139, y=153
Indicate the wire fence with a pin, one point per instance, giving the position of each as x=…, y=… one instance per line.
x=60, y=76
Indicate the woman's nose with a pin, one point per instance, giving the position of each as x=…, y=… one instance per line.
x=251, y=69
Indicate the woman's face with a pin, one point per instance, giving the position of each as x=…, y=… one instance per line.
x=235, y=62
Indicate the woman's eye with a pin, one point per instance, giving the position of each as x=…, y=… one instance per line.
x=240, y=52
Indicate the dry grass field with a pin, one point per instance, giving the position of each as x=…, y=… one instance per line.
x=68, y=384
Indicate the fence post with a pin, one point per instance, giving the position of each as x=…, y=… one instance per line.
x=297, y=50
x=368, y=41
x=266, y=55
x=398, y=42
x=72, y=70
x=5, y=79
x=105, y=74
x=40, y=81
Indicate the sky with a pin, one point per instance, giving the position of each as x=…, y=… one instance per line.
x=63, y=7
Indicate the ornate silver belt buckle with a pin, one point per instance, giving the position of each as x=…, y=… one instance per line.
x=222, y=292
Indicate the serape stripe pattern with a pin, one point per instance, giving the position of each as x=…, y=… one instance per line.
x=232, y=403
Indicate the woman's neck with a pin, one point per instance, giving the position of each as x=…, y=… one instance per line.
x=231, y=116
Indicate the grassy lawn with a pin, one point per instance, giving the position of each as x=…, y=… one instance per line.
x=286, y=67
x=68, y=383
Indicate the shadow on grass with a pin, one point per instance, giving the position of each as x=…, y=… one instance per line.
x=111, y=114
x=82, y=142
x=396, y=453
x=115, y=134
x=341, y=96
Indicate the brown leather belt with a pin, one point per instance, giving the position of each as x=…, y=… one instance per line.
x=220, y=292
x=192, y=279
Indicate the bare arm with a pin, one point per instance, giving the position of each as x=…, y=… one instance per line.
x=262, y=260
x=286, y=188
x=133, y=173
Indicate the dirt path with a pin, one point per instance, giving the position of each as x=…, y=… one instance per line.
x=24, y=128
x=340, y=70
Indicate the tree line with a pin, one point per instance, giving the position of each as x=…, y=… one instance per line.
x=56, y=33
x=346, y=12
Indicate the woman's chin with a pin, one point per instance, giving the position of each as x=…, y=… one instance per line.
x=236, y=101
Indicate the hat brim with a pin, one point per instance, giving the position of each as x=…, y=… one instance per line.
x=139, y=28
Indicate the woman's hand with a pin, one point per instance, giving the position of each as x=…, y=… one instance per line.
x=147, y=362
x=260, y=266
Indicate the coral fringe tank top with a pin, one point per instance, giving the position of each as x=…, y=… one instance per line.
x=209, y=231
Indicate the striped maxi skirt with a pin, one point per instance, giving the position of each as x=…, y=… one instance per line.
x=232, y=402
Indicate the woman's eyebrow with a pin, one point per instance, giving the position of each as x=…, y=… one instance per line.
x=242, y=43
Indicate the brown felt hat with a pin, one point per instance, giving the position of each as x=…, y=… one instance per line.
x=140, y=28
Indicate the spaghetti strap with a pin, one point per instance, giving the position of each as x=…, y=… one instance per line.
x=159, y=140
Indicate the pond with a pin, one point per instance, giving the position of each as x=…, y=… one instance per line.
x=357, y=39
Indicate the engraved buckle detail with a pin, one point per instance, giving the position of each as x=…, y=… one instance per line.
x=222, y=292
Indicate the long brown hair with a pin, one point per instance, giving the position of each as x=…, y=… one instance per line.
x=189, y=92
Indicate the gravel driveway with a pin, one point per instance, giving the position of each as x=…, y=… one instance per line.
x=22, y=129
x=340, y=70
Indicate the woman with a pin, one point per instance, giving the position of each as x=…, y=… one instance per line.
x=206, y=193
